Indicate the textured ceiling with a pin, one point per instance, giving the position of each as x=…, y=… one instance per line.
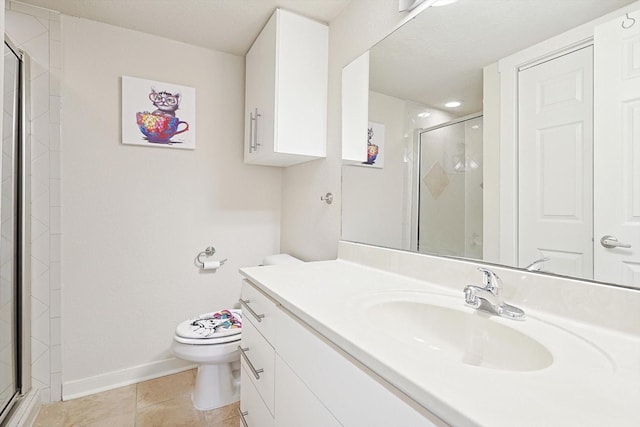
x=440, y=54
x=224, y=25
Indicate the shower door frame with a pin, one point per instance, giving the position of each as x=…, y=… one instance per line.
x=22, y=166
x=415, y=192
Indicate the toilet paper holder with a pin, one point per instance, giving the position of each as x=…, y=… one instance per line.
x=209, y=251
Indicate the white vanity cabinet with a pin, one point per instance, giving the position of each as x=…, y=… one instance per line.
x=271, y=393
x=254, y=411
x=286, y=92
x=314, y=383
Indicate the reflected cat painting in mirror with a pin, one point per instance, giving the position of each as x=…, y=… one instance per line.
x=161, y=127
x=375, y=145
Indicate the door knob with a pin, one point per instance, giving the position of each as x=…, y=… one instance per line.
x=611, y=242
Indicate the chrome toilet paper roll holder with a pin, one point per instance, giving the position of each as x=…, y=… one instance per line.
x=209, y=251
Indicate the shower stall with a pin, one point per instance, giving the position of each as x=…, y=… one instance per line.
x=15, y=363
x=449, y=217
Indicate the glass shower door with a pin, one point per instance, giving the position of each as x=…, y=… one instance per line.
x=450, y=189
x=9, y=374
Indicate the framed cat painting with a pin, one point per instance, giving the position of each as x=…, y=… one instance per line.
x=158, y=114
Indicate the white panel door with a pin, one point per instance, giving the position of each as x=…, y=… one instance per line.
x=617, y=151
x=555, y=151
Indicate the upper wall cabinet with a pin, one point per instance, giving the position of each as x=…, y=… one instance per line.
x=286, y=92
x=355, y=109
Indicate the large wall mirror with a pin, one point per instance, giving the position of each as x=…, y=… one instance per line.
x=489, y=133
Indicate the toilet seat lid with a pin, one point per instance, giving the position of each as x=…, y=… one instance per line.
x=214, y=327
x=208, y=341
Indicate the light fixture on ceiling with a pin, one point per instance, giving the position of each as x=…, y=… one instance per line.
x=464, y=163
x=443, y=2
x=408, y=5
x=453, y=104
x=424, y=114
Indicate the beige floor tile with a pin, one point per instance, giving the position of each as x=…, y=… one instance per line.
x=98, y=407
x=51, y=415
x=229, y=422
x=165, y=388
x=219, y=415
x=178, y=412
x=120, y=420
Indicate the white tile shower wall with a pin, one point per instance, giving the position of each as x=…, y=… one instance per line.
x=37, y=32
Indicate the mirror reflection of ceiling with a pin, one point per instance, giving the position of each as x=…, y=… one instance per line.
x=440, y=56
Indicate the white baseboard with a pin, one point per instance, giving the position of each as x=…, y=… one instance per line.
x=124, y=377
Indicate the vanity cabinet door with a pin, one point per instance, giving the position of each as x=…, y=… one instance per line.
x=296, y=405
x=354, y=395
x=254, y=412
x=286, y=92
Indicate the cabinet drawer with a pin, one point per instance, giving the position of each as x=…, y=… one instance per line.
x=253, y=409
x=258, y=309
x=258, y=362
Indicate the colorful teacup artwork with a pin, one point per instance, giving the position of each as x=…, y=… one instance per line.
x=161, y=125
x=160, y=128
x=169, y=124
x=375, y=145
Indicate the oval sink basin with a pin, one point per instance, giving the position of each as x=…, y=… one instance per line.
x=468, y=336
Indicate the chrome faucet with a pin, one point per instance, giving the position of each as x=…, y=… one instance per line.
x=537, y=264
x=489, y=297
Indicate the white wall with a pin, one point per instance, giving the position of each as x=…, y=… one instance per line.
x=491, y=163
x=311, y=228
x=134, y=218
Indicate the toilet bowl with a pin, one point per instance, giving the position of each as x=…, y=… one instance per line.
x=211, y=340
x=213, y=344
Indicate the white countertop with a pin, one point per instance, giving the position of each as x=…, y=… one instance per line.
x=594, y=379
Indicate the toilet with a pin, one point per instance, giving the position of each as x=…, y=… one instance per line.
x=211, y=340
x=206, y=341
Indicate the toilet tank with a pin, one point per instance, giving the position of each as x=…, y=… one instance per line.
x=278, y=259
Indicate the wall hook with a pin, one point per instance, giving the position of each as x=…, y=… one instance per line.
x=328, y=198
x=629, y=22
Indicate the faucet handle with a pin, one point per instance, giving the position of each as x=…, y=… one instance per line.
x=490, y=280
x=537, y=264
x=470, y=298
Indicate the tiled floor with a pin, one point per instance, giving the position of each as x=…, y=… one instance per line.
x=163, y=401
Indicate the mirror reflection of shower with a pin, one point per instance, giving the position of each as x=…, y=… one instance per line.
x=449, y=172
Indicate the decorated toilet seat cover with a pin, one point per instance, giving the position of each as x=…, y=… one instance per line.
x=217, y=324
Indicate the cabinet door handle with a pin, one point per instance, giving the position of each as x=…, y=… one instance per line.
x=245, y=304
x=242, y=415
x=251, y=119
x=256, y=372
x=253, y=131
